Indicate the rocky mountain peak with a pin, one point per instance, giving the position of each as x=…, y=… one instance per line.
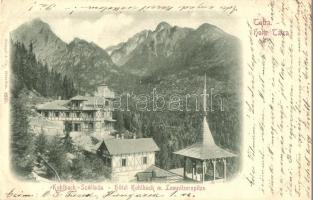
x=79, y=55
x=208, y=33
x=162, y=26
x=76, y=40
x=28, y=30
x=149, y=51
x=37, y=22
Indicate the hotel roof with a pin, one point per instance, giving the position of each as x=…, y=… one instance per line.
x=90, y=103
x=128, y=146
x=54, y=105
x=87, y=141
x=202, y=152
x=79, y=98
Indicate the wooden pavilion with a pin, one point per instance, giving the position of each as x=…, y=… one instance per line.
x=202, y=159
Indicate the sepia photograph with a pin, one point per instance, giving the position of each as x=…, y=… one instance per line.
x=163, y=105
x=165, y=100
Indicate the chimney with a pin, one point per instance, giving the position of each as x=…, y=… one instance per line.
x=122, y=136
x=134, y=136
x=59, y=97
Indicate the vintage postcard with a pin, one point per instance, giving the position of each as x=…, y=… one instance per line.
x=155, y=99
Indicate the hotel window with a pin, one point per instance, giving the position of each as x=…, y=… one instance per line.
x=68, y=127
x=46, y=114
x=78, y=114
x=104, y=126
x=144, y=160
x=124, y=162
x=90, y=126
x=67, y=114
x=107, y=161
x=56, y=114
x=77, y=127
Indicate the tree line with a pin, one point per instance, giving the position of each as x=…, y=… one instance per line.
x=32, y=74
x=175, y=130
x=170, y=130
x=49, y=157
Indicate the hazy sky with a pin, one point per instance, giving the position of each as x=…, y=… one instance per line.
x=111, y=29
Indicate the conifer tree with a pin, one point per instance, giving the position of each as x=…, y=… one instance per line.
x=22, y=143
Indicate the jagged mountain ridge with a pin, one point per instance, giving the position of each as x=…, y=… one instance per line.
x=174, y=48
x=160, y=42
x=165, y=51
x=85, y=62
x=171, y=60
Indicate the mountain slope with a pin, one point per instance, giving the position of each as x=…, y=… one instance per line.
x=169, y=60
x=163, y=51
x=146, y=50
x=47, y=47
x=170, y=49
x=79, y=59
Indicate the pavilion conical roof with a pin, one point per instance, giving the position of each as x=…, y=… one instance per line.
x=206, y=148
x=207, y=138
